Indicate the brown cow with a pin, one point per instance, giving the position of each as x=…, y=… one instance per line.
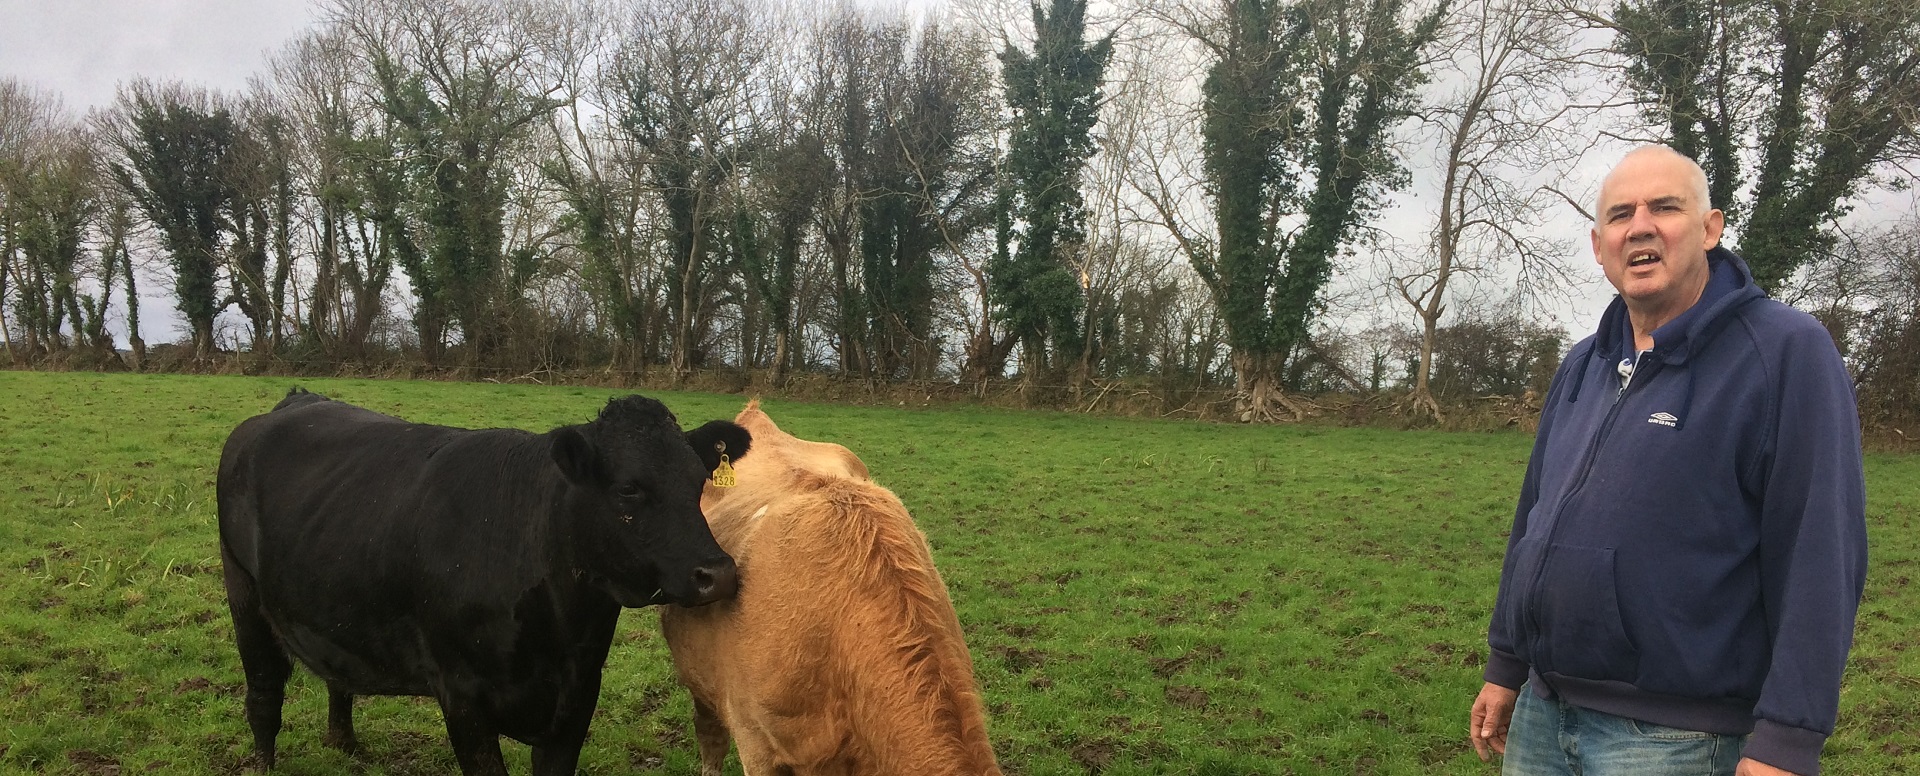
x=841, y=654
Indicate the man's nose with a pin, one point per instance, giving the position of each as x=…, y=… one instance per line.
x=1641, y=226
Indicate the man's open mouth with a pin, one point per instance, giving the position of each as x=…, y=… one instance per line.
x=1642, y=258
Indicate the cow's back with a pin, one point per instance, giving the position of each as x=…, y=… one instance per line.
x=282, y=470
x=842, y=651
x=342, y=518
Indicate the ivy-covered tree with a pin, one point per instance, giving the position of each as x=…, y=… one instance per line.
x=794, y=175
x=176, y=149
x=927, y=183
x=54, y=200
x=1054, y=93
x=681, y=89
x=457, y=82
x=1298, y=107
x=116, y=258
x=261, y=213
x=1817, y=94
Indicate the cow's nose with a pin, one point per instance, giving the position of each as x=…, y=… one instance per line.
x=715, y=580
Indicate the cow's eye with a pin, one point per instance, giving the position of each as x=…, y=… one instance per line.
x=631, y=490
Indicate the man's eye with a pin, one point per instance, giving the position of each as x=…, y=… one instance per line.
x=630, y=490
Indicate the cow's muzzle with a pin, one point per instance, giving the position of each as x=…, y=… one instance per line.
x=714, y=580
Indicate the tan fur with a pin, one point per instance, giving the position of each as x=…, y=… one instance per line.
x=842, y=655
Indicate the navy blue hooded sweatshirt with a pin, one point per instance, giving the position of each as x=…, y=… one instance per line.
x=1690, y=551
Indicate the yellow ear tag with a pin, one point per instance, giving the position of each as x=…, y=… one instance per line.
x=723, y=474
x=724, y=471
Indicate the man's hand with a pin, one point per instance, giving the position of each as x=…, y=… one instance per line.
x=1757, y=768
x=1493, y=710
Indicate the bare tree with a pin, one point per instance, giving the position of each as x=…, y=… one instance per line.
x=1504, y=109
x=1123, y=273
x=343, y=157
x=1869, y=295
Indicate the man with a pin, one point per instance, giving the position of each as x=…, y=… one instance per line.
x=1689, y=548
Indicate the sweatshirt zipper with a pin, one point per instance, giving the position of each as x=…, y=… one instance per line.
x=1586, y=469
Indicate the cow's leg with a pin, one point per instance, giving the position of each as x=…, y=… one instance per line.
x=476, y=744
x=340, y=720
x=758, y=757
x=262, y=659
x=560, y=755
x=759, y=761
x=711, y=730
x=556, y=759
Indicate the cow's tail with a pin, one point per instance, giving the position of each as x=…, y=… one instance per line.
x=298, y=396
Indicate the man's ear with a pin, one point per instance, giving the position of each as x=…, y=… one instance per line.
x=717, y=438
x=1716, y=222
x=576, y=457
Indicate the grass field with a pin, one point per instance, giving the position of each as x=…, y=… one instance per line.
x=1141, y=597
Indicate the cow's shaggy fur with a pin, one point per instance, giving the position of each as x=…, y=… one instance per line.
x=841, y=654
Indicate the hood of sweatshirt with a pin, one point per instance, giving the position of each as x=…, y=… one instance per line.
x=1729, y=285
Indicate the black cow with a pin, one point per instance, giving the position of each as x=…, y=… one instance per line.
x=483, y=568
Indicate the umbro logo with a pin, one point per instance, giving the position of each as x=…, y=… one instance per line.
x=1665, y=419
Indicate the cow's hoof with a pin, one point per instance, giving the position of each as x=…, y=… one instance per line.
x=347, y=744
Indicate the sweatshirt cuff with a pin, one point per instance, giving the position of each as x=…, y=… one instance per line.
x=1504, y=669
x=1786, y=747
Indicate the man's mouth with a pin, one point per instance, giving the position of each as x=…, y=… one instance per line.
x=1642, y=258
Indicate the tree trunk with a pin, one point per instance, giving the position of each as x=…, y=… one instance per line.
x=135, y=344
x=203, y=340
x=1421, y=399
x=681, y=362
x=6, y=266
x=779, y=376
x=326, y=293
x=986, y=356
x=283, y=256
x=1258, y=397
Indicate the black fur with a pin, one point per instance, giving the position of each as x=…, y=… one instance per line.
x=483, y=568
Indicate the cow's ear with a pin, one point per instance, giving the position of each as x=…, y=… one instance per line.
x=577, y=458
x=719, y=437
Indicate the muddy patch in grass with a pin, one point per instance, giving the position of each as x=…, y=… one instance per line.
x=1188, y=697
x=1165, y=667
x=1095, y=755
x=1020, y=660
x=93, y=763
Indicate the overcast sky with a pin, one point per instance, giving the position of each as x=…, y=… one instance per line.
x=82, y=48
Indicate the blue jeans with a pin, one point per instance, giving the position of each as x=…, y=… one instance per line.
x=1555, y=738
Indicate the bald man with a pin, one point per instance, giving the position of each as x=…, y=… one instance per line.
x=1690, y=547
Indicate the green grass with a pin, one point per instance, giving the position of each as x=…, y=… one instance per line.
x=1141, y=597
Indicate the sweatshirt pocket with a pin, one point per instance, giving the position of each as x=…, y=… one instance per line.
x=1578, y=604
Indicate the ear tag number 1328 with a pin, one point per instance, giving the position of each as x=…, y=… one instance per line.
x=723, y=474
